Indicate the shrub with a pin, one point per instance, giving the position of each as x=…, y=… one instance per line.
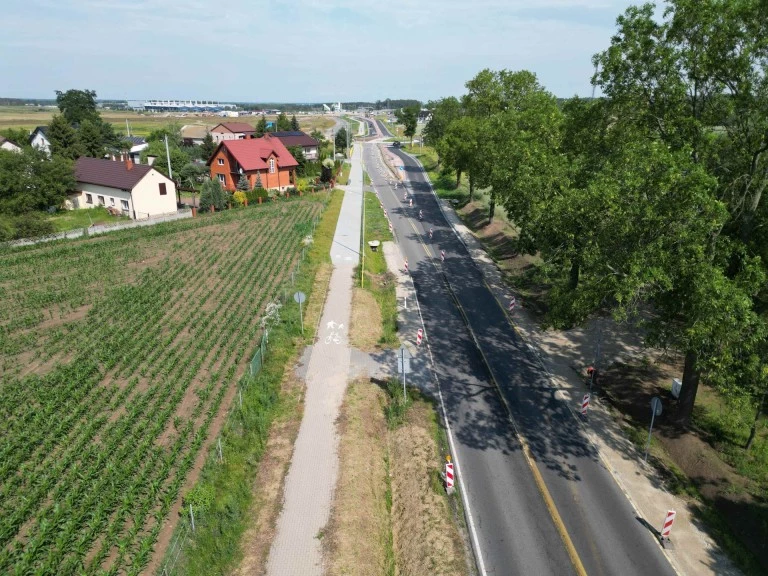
x=212, y=194
x=254, y=195
x=239, y=197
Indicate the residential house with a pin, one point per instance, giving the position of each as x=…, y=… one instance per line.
x=265, y=158
x=193, y=134
x=309, y=145
x=136, y=190
x=232, y=131
x=38, y=139
x=6, y=144
x=138, y=145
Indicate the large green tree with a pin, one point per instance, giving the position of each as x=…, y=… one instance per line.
x=208, y=147
x=408, y=117
x=443, y=112
x=63, y=138
x=341, y=140
x=294, y=123
x=261, y=127
x=283, y=123
x=31, y=181
x=77, y=105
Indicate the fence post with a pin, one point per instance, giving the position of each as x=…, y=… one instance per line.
x=221, y=455
x=240, y=396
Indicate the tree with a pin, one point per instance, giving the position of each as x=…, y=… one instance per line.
x=212, y=194
x=409, y=117
x=178, y=158
x=341, y=139
x=694, y=83
x=261, y=127
x=77, y=105
x=298, y=153
x=208, y=146
x=243, y=184
x=295, y=124
x=283, y=123
x=31, y=181
x=257, y=184
x=461, y=150
x=91, y=139
x=18, y=136
x=63, y=138
x=444, y=111
x=172, y=130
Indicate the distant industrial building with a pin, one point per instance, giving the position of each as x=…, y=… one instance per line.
x=180, y=105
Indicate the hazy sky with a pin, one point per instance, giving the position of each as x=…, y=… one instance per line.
x=297, y=50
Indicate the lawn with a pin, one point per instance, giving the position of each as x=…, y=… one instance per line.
x=83, y=218
x=119, y=358
x=376, y=279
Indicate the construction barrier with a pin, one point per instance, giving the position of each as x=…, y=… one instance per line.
x=449, y=475
x=668, y=521
x=585, y=404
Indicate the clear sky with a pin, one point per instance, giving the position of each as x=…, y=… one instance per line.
x=295, y=50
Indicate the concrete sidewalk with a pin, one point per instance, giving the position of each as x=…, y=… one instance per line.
x=563, y=354
x=311, y=480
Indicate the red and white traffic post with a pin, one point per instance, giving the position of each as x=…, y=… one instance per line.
x=449, y=477
x=512, y=304
x=406, y=264
x=390, y=226
x=419, y=336
x=410, y=203
x=430, y=233
x=667, y=528
x=585, y=404
x=442, y=255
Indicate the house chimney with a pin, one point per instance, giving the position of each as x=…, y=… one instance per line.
x=151, y=159
x=128, y=162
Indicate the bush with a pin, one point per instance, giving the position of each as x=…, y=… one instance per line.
x=213, y=194
x=27, y=225
x=239, y=198
x=254, y=195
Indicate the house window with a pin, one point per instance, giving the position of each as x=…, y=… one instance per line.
x=221, y=161
x=271, y=165
x=101, y=201
x=112, y=201
x=124, y=204
x=163, y=191
x=222, y=179
x=88, y=199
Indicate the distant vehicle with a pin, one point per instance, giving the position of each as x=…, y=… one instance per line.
x=397, y=144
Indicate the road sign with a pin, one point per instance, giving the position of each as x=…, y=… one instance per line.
x=668, y=521
x=300, y=298
x=655, y=411
x=585, y=404
x=400, y=365
x=419, y=336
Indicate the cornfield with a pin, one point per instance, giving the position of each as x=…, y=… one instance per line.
x=116, y=356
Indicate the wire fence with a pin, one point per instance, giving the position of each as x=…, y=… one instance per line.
x=192, y=520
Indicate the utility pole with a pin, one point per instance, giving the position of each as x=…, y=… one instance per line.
x=168, y=157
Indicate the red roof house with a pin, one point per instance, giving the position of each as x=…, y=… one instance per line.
x=265, y=158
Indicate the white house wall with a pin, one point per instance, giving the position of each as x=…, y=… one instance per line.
x=147, y=200
x=110, y=195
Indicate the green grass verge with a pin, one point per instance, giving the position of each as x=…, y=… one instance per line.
x=226, y=488
x=379, y=282
x=83, y=218
x=345, y=170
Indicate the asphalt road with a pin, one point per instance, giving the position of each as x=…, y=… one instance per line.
x=517, y=533
x=383, y=129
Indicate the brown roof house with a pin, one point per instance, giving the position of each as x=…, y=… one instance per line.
x=232, y=131
x=135, y=190
x=298, y=138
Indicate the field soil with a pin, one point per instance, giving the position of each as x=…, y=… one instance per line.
x=391, y=514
